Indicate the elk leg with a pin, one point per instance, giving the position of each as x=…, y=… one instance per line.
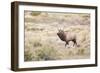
x=75, y=43
x=66, y=44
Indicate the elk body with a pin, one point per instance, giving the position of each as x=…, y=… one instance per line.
x=67, y=37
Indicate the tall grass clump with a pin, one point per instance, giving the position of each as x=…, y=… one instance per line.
x=28, y=56
x=42, y=54
x=45, y=53
x=37, y=44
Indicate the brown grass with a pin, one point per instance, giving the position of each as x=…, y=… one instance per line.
x=42, y=42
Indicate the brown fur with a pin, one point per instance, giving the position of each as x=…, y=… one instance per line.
x=67, y=37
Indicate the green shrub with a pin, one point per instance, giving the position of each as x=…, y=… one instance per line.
x=28, y=56
x=35, y=13
x=45, y=53
x=42, y=54
x=37, y=44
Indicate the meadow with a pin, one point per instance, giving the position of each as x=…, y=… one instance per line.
x=42, y=42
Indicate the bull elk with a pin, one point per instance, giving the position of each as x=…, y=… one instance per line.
x=67, y=36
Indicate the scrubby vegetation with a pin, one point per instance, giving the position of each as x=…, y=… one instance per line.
x=35, y=13
x=42, y=42
x=43, y=53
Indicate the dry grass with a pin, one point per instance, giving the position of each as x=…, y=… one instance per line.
x=42, y=42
